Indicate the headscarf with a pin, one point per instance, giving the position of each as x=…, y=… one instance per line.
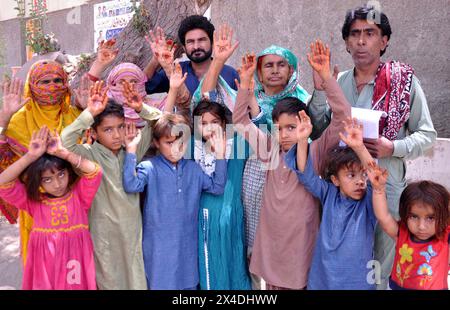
x=50, y=106
x=115, y=89
x=43, y=108
x=267, y=103
x=292, y=89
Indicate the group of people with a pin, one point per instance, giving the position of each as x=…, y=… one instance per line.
x=233, y=177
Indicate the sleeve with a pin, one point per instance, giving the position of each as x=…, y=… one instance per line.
x=420, y=127
x=234, y=76
x=158, y=84
x=135, y=178
x=258, y=140
x=313, y=183
x=215, y=184
x=87, y=186
x=330, y=138
x=73, y=133
x=15, y=194
x=151, y=115
x=369, y=205
x=319, y=112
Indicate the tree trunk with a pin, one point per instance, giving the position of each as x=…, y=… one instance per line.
x=131, y=43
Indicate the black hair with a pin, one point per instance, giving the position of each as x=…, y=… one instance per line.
x=339, y=158
x=429, y=193
x=214, y=108
x=32, y=176
x=195, y=22
x=367, y=13
x=112, y=108
x=289, y=105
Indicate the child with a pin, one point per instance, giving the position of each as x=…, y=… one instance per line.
x=344, y=248
x=175, y=186
x=115, y=216
x=222, y=260
x=289, y=217
x=60, y=249
x=422, y=234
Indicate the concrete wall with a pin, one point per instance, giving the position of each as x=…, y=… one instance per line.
x=432, y=165
x=420, y=37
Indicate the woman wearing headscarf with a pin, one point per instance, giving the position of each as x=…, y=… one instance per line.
x=47, y=98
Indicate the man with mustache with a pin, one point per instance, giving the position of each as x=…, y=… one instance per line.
x=389, y=86
x=196, y=36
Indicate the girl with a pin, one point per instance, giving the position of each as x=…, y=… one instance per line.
x=222, y=262
x=60, y=248
x=422, y=234
x=47, y=102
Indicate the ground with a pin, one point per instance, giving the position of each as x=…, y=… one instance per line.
x=10, y=264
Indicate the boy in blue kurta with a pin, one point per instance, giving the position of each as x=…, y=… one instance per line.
x=174, y=187
x=344, y=250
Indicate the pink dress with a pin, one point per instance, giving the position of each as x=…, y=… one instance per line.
x=60, y=250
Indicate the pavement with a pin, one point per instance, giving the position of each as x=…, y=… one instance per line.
x=10, y=262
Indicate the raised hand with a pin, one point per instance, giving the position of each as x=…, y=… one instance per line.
x=246, y=70
x=218, y=143
x=319, y=59
x=223, y=47
x=304, y=126
x=54, y=144
x=133, y=99
x=12, y=99
x=377, y=176
x=177, y=78
x=354, y=130
x=132, y=137
x=82, y=93
x=98, y=98
x=38, y=143
x=107, y=52
x=163, y=49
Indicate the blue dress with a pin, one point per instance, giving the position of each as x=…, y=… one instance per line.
x=222, y=253
x=170, y=219
x=343, y=255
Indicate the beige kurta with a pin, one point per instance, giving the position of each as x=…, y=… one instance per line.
x=115, y=217
x=289, y=219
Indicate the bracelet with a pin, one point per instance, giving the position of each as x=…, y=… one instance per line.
x=79, y=163
x=92, y=78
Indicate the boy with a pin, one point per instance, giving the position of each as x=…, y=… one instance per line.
x=174, y=188
x=115, y=217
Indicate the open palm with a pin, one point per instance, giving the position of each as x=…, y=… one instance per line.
x=319, y=59
x=12, y=97
x=223, y=47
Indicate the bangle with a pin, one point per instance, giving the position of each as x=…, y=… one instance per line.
x=92, y=78
x=79, y=163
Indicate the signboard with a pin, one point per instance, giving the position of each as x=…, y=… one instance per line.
x=110, y=18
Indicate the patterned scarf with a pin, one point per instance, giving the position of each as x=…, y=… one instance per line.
x=120, y=72
x=391, y=94
x=49, y=94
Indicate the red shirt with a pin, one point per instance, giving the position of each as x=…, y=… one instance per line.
x=420, y=265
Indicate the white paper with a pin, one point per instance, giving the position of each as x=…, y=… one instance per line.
x=370, y=120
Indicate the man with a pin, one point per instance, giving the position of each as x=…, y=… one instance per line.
x=405, y=133
x=196, y=35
